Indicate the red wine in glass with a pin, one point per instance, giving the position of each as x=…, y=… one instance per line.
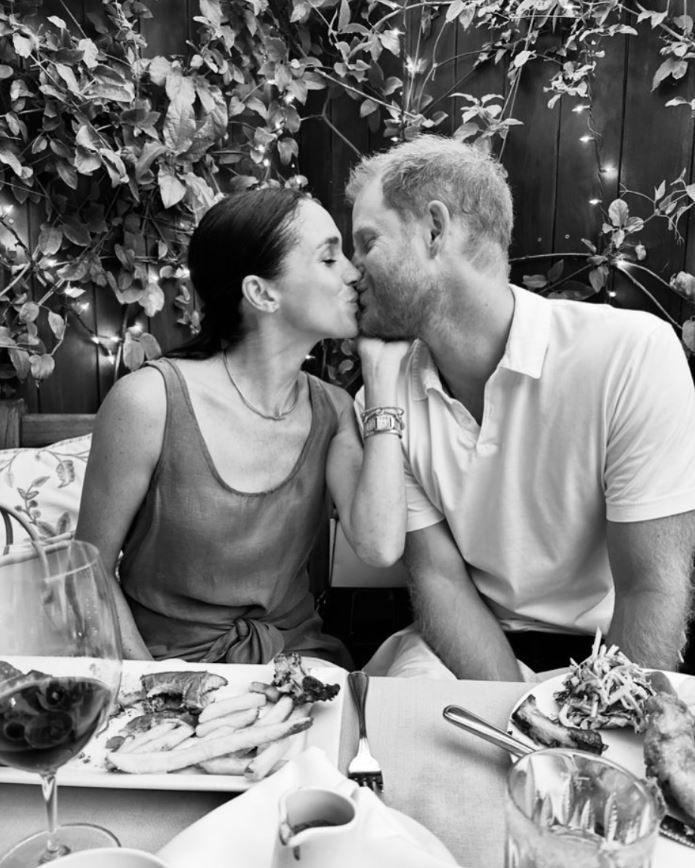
x=46, y=721
x=60, y=667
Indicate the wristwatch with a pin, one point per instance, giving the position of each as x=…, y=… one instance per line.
x=383, y=423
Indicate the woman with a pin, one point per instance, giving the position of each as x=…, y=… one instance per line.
x=209, y=468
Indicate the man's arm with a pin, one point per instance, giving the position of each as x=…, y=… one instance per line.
x=449, y=612
x=652, y=564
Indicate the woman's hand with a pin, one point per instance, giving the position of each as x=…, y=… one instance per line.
x=381, y=360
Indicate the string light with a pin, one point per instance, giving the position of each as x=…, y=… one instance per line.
x=586, y=138
x=266, y=162
x=182, y=272
x=611, y=293
x=609, y=171
x=288, y=98
x=580, y=108
x=82, y=306
x=594, y=201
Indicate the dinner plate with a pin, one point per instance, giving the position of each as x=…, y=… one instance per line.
x=88, y=770
x=623, y=746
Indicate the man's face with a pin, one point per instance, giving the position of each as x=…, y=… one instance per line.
x=393, y=287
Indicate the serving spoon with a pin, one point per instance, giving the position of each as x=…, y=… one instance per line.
x=671, y=827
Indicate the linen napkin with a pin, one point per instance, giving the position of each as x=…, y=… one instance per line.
x=243, y=831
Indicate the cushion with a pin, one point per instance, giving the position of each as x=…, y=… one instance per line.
x=45, y=485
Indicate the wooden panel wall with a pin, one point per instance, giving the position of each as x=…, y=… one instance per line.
x=553, y=174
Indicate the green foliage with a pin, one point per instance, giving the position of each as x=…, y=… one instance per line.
x=118, y=154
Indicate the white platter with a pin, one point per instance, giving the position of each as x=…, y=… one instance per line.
x=87, y=770
x=623, y=746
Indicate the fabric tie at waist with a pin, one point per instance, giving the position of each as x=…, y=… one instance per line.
x=246, y=641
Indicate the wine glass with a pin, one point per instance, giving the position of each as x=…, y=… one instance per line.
x=60, y=669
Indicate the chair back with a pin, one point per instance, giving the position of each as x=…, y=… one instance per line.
x=19, y=428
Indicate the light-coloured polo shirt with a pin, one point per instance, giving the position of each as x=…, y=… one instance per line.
x=589, y=416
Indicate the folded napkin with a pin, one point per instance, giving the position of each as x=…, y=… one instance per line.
x=243, y=831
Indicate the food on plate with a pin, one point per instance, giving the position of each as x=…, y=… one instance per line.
x=607, y=690
x=192, y=690
x=291, y=678
x=669, y=749
x=200, y=750
x=197, y=721
x=543, y=730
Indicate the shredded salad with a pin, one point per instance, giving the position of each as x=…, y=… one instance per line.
x=607, y=690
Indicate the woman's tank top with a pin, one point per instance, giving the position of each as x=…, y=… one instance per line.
x=216, y=574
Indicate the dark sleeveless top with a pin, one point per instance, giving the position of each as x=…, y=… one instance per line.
x=215, y=574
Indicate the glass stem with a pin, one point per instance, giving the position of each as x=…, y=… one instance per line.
x=50, y=796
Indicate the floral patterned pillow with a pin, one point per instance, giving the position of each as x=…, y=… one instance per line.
x=45, y=485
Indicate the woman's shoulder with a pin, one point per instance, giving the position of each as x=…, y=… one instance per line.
x=339, y=399
x=136, y=402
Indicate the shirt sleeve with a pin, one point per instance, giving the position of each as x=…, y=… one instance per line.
x=650, y=456
x=421, y=512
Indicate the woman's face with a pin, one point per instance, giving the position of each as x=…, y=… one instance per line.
x=317, y=292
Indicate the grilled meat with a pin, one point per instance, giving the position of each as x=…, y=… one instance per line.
x=669, y=750
x=291, y=678
x=175, y=690
x=539, y=727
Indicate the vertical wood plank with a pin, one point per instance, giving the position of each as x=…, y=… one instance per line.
x=530, y=157
x=578, y=178
x=657, y=145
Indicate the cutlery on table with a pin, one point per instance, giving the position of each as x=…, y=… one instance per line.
x=363, y=769
x=671, y=827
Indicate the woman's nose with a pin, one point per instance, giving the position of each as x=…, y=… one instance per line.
x=352, y=274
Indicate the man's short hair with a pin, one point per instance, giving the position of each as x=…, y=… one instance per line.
x=467, y=180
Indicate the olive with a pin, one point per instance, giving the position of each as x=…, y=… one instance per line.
x=49, y=729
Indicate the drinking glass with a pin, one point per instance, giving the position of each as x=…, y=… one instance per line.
x=60, y=669
x=570, y=809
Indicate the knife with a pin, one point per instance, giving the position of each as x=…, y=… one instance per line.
x=671, y=827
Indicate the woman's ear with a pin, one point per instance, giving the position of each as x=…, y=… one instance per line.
x=259, y=293
x=438, y=225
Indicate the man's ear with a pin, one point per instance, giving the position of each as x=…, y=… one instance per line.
x=438, y=224
x=259, y=293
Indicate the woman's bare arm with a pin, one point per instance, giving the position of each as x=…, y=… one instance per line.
x=125, y=449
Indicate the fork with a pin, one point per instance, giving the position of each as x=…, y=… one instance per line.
x=363, y=769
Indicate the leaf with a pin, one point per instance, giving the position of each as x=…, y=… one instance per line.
x=22, y=45
x=149, y=153
x=597, y=278
x=20, y=362
x=670, y=67
x=170, y=188
x=77, y=232
x=659, y=191
x=90, y=53
x=57, y=324
x=150, y=345
x=64, y=522
x=67, y=173
x=152, y=299
x=689, y=334
x=42, y=366
x=65, y=471
x=287, y=148
x=133, y=353
x=534, y=281
x=555, y=272
x=28, y=311
x=6, y=71
x=211, y=10
x=455, y=9
x=68, y=77
x=50, y=239
x=618, y=212
x=521, y=58
x=179, y=126
x=573, y=290
x=368, y=106
x=344, y=15
x=390, y=39
x=158, y=70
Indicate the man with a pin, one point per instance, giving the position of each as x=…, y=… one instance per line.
x=549, y=445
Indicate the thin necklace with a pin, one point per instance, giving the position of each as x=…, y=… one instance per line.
x=273, y=417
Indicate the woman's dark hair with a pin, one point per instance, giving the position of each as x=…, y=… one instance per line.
x=245, y=233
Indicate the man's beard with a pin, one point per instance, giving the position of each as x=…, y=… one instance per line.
x=396, y=306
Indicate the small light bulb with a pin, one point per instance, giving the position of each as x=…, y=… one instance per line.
x=586, y=138
x=594, y=201
x=266, y=162
x=580, y=108
x=51, y=263
x=611, y=293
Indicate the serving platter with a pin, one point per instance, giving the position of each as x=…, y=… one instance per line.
x=88, y=769
x=623, y=746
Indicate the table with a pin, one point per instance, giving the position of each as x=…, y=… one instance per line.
x=447, y=780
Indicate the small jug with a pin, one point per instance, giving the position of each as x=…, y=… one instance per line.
x=317, y=828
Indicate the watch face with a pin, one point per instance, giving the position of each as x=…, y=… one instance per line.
x=382, y=422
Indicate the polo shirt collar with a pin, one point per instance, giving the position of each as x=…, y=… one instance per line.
x=525, y=352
